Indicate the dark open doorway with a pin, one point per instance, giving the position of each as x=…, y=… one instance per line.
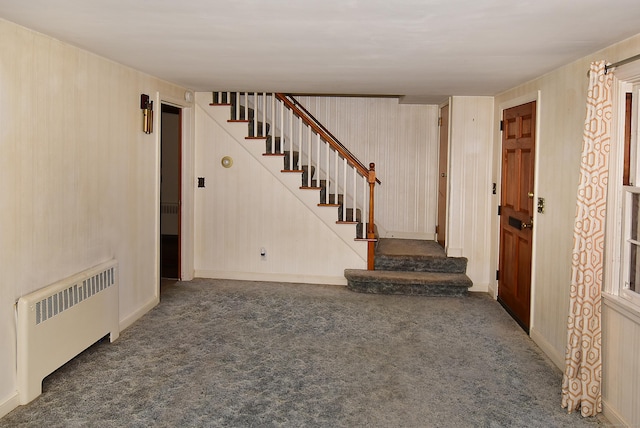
x=170, y=196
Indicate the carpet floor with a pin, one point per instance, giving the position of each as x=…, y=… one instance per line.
x=258, y=354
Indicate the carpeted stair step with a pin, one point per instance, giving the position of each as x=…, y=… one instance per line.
x=287, y=156
x=305, y=172
x=243, y=114
x=420, y=263
x=349, y=214
x=322, y=184
x=416, y=255
x=409, y=283
x=260, y=131
x=270, y=142
x=361, y=232
x=331, y=199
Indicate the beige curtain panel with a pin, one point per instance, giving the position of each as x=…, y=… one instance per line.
x=583, y=364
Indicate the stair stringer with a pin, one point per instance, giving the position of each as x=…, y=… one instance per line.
x=291, y=180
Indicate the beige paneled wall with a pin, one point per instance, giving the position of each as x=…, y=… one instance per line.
x=78, y=178
x=562, y=96
x=402, y=140
x=470, y=190
x=244, y=209
x=620, y=370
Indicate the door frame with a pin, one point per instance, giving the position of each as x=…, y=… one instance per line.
x=161, y=113
x=446, y=201
x=514, y=102
x=187, y=181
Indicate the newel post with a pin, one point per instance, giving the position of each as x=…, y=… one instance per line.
x=371, y=245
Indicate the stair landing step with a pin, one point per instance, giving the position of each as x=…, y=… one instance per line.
x=419, y=263
x=410, y=283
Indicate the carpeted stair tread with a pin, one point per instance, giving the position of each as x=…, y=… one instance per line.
x=416, y=256
x=418, y=263
x=412, y=283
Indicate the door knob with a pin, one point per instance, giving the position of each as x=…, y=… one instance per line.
x=530, y=194
x=529, y=225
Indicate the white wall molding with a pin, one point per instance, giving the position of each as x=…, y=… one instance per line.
x=10, y=403
x=272, y=277
x=547, y=348
x=138, y=313
x=410, y=235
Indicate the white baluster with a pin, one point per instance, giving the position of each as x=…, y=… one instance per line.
x=337, y=178
x=290, y=166
x=355, y=203
x=254, y=95
x=264, y=114
x=345, y=198
x=236, y=111
x=318, y=159
x=327, y=175
x=244, y=113
x=301, y=144
x=281, y=127
x=365, y=205
x=309, y=157
x=274, y=120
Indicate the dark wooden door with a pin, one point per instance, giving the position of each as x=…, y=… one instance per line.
x=442, y=175
x=516, y=218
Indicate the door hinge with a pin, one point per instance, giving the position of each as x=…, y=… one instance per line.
x=502, y=125
x=439, y=121
x=437, y=229
x=499, y=210
x=497, y=275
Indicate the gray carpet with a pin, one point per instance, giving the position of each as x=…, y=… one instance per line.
x=254, y=354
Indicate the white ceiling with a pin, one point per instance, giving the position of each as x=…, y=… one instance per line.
x=424, y=49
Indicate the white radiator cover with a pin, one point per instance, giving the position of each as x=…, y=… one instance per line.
x=61, y=320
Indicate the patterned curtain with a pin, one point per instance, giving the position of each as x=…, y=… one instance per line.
x=583, y=365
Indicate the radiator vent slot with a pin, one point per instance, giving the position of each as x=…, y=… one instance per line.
x=65, y=299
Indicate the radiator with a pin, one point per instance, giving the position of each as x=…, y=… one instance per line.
x=58, y=322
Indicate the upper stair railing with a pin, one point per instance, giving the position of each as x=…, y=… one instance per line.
x=290, y=131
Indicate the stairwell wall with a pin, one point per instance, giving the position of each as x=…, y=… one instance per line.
x=244, y=209
x=402, y=140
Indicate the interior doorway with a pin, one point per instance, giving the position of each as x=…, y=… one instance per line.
x=516, y=211
x=170, y=193
x=443, y=160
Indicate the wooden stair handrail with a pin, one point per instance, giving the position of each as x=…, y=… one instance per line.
x=319, y=129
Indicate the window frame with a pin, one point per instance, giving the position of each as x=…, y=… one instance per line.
x=618, y=228
x=628, y=241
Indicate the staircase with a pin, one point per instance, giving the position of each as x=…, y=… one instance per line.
x=415, y=267
x=290, y=142
x=331, y=171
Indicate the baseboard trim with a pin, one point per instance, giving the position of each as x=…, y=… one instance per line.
x=409, y=235
x=136, y=315
x=550, y=351
x=492, y=289
x=272, y=277
x=454, y=252
x=613, y=417
x=12, y=402
x=479, y=288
